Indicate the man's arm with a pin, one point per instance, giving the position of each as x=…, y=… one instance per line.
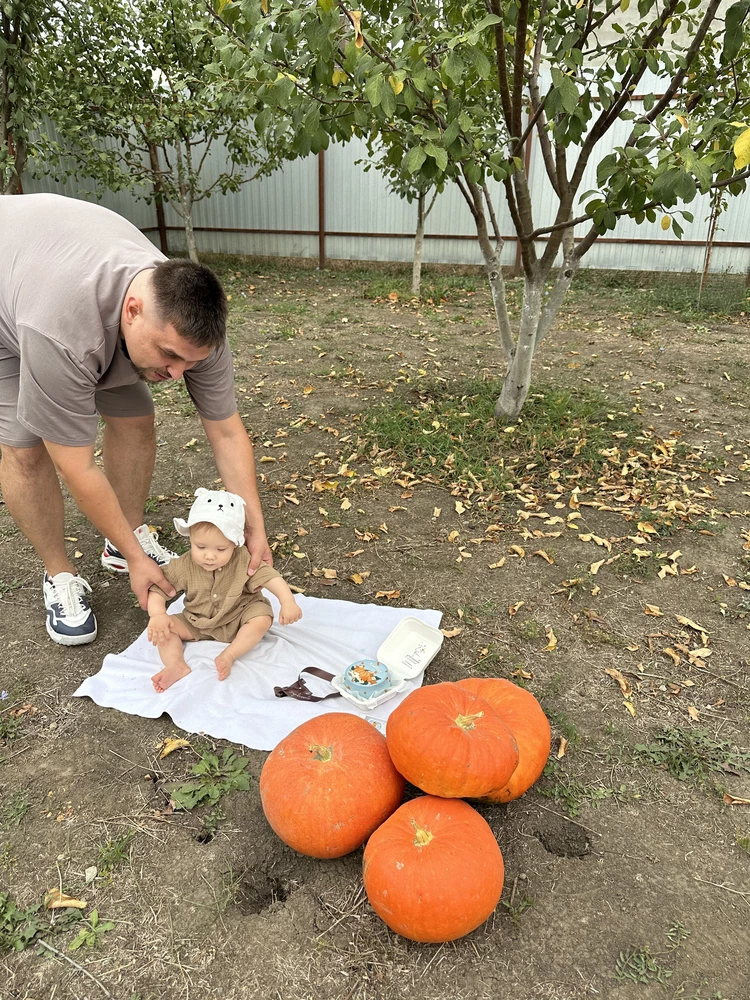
x=235, y=461
x=95, y=498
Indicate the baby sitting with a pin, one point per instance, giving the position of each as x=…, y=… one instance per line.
x=221, y=601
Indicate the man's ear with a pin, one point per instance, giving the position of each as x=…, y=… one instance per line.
x=133, y=307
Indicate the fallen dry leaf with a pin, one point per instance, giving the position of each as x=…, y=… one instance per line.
x=346, y=504
x=624, y=683
x=172, y=743
x=630, y=707
x=733, y=800
x=498, y=564
x=390, y=595
x=562, y=747
x=654, y=610
x=356, y=578
x=693, y=713
x=459, y=507
x=551, y=641
x=54, y=899
x=329, y=574
x=543, y=554
x=453, y=535
x=674, y=656
x=513, y=609
x=436, y=512
x=526, y=675
x=689, y=623
x=450, y=633
x=595, y=567
x=518, y=550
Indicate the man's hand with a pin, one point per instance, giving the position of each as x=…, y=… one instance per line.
x=257, y=546
x=143, y=574
x=159, y=627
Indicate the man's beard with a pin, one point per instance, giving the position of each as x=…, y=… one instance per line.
x=143, y=374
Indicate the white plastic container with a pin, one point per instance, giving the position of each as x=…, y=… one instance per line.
x=410, y=647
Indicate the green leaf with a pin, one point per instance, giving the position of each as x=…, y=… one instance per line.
x=453, y=68
x=734, y=30
x=374, y=90
x=487, y=21
x=566, y=89
x=451, y=133
x=439, y=155
x=414, y=159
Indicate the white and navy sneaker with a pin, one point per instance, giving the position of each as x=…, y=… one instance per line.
x=70, y=620
x=115, y=561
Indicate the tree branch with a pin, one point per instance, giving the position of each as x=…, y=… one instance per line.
x=522, y=24
x=732, y=180
x=679, y=76
x=502, y=66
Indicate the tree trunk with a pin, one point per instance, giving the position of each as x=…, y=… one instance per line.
x=186, y=206
x=556, y=296
x=517, y=381
x=497, y=282
x=11, y=182
x=416, y=269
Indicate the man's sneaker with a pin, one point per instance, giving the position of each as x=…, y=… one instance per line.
x=70, y=620
x=114, y=560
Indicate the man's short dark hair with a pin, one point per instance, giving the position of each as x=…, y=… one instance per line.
x=189, y=296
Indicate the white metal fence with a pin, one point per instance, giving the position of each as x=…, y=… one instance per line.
x=362, y=220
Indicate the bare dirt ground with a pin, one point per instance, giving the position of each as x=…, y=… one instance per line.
x=598, y=553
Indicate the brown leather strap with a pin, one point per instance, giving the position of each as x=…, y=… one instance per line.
x=301, y=691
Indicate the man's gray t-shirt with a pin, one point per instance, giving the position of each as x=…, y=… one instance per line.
x=65, y=267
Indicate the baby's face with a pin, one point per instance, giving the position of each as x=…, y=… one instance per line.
x=209, y=547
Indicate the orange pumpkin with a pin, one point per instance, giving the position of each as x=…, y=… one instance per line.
x=448, y=742
x=433, y=871
x=520, y=710
x=329, y=784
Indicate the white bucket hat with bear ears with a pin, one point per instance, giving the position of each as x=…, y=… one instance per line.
x=224, y=510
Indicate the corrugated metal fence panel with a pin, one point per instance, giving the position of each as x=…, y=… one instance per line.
x=286, y=200
x=360, y=205
x=652, y=248
x=125, y=203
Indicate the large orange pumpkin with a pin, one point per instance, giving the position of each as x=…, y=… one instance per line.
x=520, y=710
x=448, y=742
x=329, y=784
x=433, y=871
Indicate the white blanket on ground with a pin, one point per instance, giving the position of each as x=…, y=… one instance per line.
x=243, y=708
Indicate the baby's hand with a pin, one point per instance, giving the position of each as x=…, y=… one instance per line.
x=290, y=612
x=159, y=628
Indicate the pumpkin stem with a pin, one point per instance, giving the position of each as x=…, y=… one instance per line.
x=323, y=754
x=467, y=721
x=422, y=837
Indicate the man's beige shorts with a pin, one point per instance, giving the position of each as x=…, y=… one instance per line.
x=124, y=401
x=260, y=607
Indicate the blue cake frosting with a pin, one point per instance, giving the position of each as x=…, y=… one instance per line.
x=367, y=678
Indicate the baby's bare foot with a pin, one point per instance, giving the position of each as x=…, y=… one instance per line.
x=167, y=677
x=224, y=663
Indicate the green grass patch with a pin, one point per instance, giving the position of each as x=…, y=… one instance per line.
x=693, y=754
x=114, y=852
x=640, y=293
x=451, y=432
x=22, y=927
x=13, y=808
x=436, y=287
x=213, y=776
x=571, y=794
